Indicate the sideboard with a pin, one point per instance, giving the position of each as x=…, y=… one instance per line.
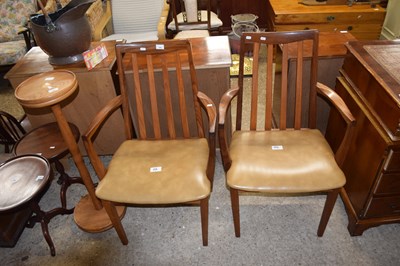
x=363, y=21
x=369, y=83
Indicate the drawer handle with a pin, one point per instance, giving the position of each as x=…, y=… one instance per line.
x=395, y=207
x=350, y=28
x=330, y=18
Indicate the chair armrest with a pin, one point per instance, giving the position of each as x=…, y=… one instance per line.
x=224, y=104
x=347, y=116
x=209, y=107
x=27, y=37
x=89, y=136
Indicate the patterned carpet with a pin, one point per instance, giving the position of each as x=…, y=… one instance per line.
x=8, y=102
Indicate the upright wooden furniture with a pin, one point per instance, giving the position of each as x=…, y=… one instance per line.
x=11, y=131
x=164, y=165
x=47, y=141
x=51, y=89
x=192, y=20
x=276, y=156
x=24, y=180
x=363, y=21
x=96, y=87
x=370, y=85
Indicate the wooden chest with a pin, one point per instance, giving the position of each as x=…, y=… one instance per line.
x=370, y=86
x=363, y=21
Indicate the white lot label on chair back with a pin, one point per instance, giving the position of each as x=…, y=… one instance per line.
x=155, y=169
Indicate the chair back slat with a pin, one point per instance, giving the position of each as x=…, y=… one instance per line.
x=153, y=98
x=288, y=83
x=168, y=98
x=139, y=99
x=254, y=92
x=269, y=85
x=160, y=81
x=182, y=100
x=298, y=87
x=284, y=88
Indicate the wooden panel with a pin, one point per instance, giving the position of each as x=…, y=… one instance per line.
x=361, y=32
x=332, y=15
x=387, y=206
x=388, y=184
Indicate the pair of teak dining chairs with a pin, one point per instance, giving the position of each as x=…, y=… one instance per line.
x=165, y=160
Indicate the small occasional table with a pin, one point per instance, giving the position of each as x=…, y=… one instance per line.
x=51, y=89
x=23, y=180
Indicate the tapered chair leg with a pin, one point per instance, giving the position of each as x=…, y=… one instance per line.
x=326, y=214
x=235, y=210
x=204, y=220
x=115, y=220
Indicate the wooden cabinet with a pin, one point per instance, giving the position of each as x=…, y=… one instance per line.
x=363, y=21
x=370, y=86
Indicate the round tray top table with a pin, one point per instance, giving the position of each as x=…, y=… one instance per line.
x=50, y=89
x=47, y=141
x=23, y=181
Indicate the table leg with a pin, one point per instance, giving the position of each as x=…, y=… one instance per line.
x=88, y=214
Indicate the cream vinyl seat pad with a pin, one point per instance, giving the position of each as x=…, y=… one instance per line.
x=181, y=175
x=288, y=161
x=215, y=22
x=188, y=34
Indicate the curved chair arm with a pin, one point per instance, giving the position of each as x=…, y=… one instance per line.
x=92, y=131
x=342, y=108
x=209, y=106
x=224, y=104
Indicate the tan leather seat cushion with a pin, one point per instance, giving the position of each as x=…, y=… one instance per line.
x=182, y=177
x=304, y=164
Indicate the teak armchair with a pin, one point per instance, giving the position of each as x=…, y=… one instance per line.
x=283, y=154
x=169, y=163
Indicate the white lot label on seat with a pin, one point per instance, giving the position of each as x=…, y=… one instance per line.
x=155, y=169
x=277, y=147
